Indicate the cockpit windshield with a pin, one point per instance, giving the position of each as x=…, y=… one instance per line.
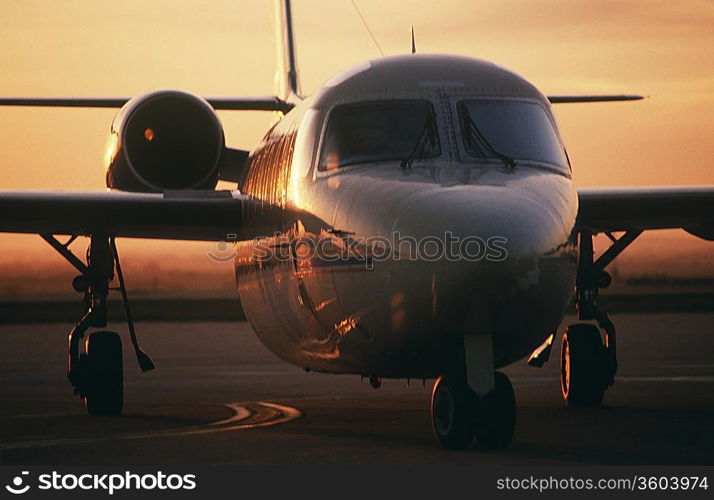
x=377, y=131
x=516, y=130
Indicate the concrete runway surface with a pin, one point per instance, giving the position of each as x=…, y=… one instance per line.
x=219, y=397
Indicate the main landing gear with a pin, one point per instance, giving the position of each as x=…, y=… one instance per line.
x=474, y=402
x=97, y=373
x=587, y=364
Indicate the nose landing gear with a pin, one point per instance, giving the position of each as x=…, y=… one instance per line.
x=452, y=412
x=459, y=415
x=473, y=400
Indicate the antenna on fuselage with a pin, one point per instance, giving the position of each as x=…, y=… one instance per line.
x=287, y=81
x=369, y=30
x=413, y=42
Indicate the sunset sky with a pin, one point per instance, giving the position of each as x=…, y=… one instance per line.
x=664, y=50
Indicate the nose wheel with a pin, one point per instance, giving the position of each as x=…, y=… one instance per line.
x=496, y=418
x=459, y=415
x=451, y=413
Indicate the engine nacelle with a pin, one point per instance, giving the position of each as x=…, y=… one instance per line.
x=165, y=140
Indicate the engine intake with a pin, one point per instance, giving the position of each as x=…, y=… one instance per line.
x=165, y=140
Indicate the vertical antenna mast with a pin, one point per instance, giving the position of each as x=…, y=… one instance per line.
x=286, y=77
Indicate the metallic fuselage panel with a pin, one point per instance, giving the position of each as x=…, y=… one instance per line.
x=402, y=317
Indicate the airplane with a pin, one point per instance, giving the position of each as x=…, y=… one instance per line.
x=414, y=218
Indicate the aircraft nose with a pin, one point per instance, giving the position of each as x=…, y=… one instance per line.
x=506, y=263
x=490, y=224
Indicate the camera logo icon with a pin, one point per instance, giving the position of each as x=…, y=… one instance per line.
x=16, y=487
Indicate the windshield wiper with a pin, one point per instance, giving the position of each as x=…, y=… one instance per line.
x=474, y=132
x=425, y=140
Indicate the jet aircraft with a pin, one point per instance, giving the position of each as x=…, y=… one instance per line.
x=415, y=218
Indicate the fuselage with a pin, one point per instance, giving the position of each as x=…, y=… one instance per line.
x=396, y=259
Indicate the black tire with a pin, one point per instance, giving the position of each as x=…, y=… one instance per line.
x=582, y=366
x=496, y=417
x=103, y=374
x=451, y=413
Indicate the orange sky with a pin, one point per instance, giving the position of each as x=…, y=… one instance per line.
x=222, y=47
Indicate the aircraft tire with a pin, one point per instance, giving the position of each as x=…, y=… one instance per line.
x=496, y=415
x=581, y=366
x=103, y=374
x=451, y=413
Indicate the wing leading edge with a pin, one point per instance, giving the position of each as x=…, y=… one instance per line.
x=180, y=215
x=622, y=209
x=260, y=103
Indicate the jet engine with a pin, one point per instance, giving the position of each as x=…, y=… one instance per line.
x=165, y=140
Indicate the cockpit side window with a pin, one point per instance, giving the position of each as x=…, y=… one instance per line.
x=379, y=131
x=515, y=129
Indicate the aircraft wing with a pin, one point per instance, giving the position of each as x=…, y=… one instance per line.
x=178, y=215
x=561, y=99
x=260, y=103
x=213, y=215
x=622, y=209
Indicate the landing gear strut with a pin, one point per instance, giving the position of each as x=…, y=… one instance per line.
x=588, y=365
x=97, y=374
